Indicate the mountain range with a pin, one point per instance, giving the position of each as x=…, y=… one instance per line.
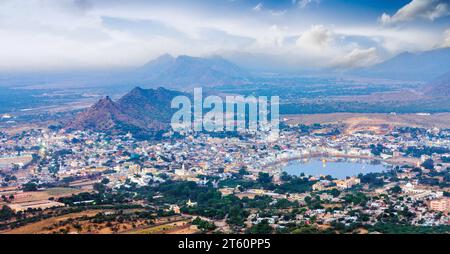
x=186, y=71
x=181, y=72
x=421, y=66
x=141, y=112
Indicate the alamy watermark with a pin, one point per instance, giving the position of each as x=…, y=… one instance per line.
x=236, y=113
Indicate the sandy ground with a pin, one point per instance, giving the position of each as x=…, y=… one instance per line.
x=180, y=226
x=56, y=193
x=38, y=227
x=351, y=120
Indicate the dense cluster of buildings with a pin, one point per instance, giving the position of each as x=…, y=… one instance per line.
x=45, y=157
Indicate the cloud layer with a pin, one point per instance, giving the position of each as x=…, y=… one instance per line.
x=425, y=9
x=61, y=34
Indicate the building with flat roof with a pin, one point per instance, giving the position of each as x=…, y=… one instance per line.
x=440, y=205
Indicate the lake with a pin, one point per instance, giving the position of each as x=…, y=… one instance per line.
x=337, y=168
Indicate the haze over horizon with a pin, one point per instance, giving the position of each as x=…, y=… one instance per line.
x=224, y=117
x=53, y=35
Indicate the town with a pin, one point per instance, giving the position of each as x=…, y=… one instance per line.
x=230, y=182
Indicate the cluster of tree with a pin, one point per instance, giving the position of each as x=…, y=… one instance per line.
x=261, y=228
x=395, y=228
x=6, y=213
x=210, y=202
x=428, y=164
x=7, y=199
x=204, y=225
x=372, y=179
x=107, y=197
x=377, y=149
x=290, y=184
x=218, y=207
x=445, y=159
x=314, y=202
x=264, y=178
x=30, y=186
x=395, y=190
x=9, y=178
x=306, y=229
x=345, y=228
x=434, y=182
x=424, y=150
x=391, y=215
x=357, y=198
x=294, y=184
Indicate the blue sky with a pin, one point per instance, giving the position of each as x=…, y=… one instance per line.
x=294, y=34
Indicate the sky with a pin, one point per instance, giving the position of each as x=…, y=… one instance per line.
x=293, y=34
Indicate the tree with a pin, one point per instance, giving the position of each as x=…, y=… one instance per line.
x=447, y=177
x=335, y=192
x=357, y=198
x=30, y=186
x=261, y=228
x=264, y=178
x=376, y=149
x=99, y=187
x=396, y=189
x=428, y=164
x=203, y=225
x=307, y=199
x=373, y=179
x=237, y=216
x=305, y=229
x=243, y=171
x=285, y=176
x=6, y=213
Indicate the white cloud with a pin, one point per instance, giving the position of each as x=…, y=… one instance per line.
x=446, y=42
x=395, y=40
x=49, y=34
x=425, y=9
x=273, y=38
x=324, y=46
x=318, y=37
x=304, y=3
x=258, y=7
x=278, y=13
x=357, y=58
x=60, y=34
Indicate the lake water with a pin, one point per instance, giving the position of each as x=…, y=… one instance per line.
x=337, y=168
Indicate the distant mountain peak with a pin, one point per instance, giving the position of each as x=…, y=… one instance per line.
x=166, y=56
x=162, y=60
x=104, y=103
x=136, y=89
x=186, y=71
x=186, y=57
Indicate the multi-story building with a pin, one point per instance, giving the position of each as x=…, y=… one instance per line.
x=440, y=205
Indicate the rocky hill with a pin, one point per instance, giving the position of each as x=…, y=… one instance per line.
x=141, y=111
